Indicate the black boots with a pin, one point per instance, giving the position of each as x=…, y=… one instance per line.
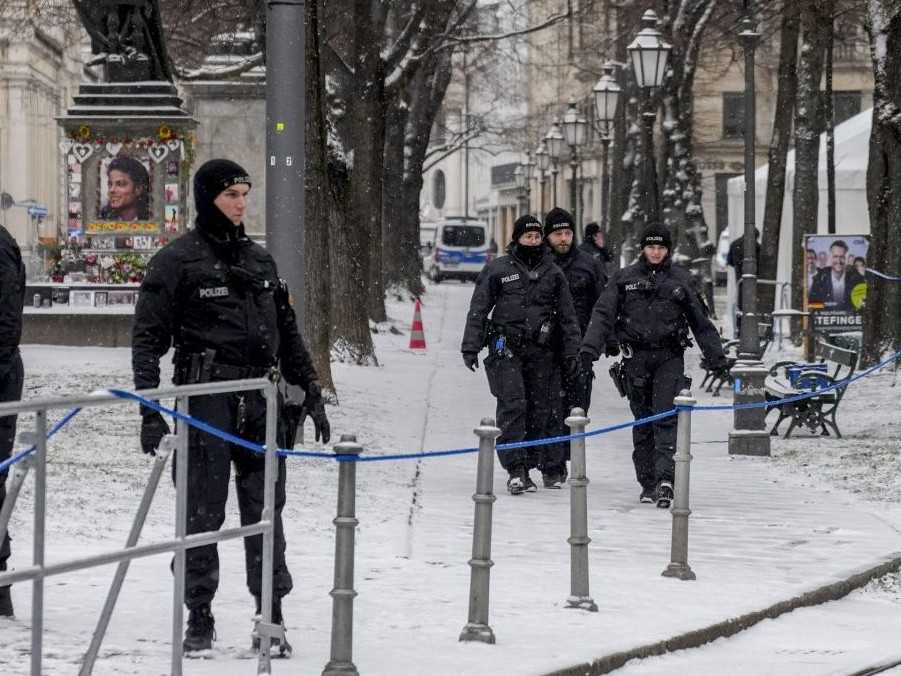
x=201, y=630
x=6, y=602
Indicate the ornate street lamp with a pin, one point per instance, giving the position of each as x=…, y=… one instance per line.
x=606, y=99
x=554, y=141
x=528, y=170
x=649, y=55
x=542, y=161
x=575, y=131
x=749, y=436
x=519, y=176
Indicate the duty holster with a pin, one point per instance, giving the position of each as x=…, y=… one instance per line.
x=291, y=418
x=617, y=373
x=193, y=367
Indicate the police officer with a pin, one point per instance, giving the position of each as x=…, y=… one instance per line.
x=529, y=302
x=594, y=244
x=12, y=300
x=647, y=308
x=216, y=296
x=586, y=278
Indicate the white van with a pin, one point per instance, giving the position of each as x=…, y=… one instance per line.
x=460, y=249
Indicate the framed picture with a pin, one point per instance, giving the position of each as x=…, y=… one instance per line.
x=125, y=189
x=81, y=298
x=171, y=224
x=172, y=193
x=121, y=297
x=100, y=298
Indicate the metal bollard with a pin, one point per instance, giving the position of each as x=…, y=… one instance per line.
x=341, y=661
x=477, y=628
x=578, y=516
x=678, y=566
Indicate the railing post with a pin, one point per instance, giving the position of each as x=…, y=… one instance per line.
x=17, y=475
x=159, y=464
x=40, y=506
x=341, y=661
x=477, y=628
x=264, y=629
x=678, y=566
x=181, y=527
x=579, y=596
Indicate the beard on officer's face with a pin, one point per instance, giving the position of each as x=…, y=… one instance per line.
x=562, y=247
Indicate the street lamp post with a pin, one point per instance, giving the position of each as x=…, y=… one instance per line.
x=553, y=141
x=542, y=161
x=528, y=170
x=575, y=131
x=519, y=177
x=649, y=55
x=606, y=98
x=749, y=436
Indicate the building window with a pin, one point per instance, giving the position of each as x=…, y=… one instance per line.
x=439, y=189
x=733, y=114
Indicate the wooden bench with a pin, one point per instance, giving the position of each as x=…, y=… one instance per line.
x=712, y=381
x=789, y=379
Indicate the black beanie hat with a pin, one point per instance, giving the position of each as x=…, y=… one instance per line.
x=558, y=219
x=591, y=230
x=655, y=233
x=524, y=224
x=210, y=181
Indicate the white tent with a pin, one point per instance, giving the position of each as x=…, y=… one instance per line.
x=852, y=150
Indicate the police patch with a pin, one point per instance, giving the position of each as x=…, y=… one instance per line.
x=510, y=278
x=215, y=292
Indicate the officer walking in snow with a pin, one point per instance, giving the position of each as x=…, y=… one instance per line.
x=586, y=278
x=529, y=302
x=216, y=296
x=647, y=309
x=12, y=300
x=595, y=244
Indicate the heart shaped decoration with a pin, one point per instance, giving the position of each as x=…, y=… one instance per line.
x=66, y=145
x=173, y=144
x=158, y=153
x=113, y=148
x=82, y=151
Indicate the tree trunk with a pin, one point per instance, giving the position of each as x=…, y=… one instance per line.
x=829, y=122
x=807, y=138
x=392, y=208
x=787, y=88
x=882, y=312
x=318, y=300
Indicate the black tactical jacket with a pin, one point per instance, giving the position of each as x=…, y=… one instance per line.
x=202, y=292
x=12, y=298
x=520, y=301
x=646, y=308
x=586, y=277
x=594, y=251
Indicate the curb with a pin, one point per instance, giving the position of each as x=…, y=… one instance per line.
x=730, y=627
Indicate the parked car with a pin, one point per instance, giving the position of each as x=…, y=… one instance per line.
x=460, y=250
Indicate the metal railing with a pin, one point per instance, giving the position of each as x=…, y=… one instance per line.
x=40, y=570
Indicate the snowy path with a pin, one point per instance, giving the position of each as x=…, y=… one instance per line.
x=761, y=531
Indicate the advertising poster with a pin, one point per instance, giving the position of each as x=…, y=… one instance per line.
x=835, y=283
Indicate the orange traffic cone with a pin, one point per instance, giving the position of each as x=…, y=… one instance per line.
x=417, y=336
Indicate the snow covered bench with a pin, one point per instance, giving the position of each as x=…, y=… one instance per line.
x=789, y=379
x=712, y=381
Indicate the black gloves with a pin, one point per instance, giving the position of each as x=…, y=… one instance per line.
x=153, y=429
x=611, y=349
x=587, y=362
x=471, y=360
x=572, y=367
x=314, y=406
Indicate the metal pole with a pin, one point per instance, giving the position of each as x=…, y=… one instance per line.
x=181, y=527
x=159, y=463
x=285, y=122
x=477, y=628
x=554, y=172
x=343, y=594
x=573, y=188
x=19, y=472
x=605, y=188
x=40, y=508
x=652, y=208
x=265, y=629
x=579, y=596
x=465, y=134
x=678, y=566
x=749, y=436
x=541, y=197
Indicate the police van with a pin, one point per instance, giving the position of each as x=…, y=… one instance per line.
x=460, y=249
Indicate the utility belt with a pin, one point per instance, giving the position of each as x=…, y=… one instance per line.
x=507, y=340
x=202, y=367
x=673, y=345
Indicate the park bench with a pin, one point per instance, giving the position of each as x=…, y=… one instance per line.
x=789, y=379
x=712, y=380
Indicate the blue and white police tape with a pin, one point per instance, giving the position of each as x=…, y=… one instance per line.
x=19, y=457
x=891, y=278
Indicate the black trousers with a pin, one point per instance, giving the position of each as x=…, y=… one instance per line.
x=653, y=379
x=209, y=469
x=524, y=386
x=11, y=381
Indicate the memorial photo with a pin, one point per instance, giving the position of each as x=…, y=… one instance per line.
x=124, y=189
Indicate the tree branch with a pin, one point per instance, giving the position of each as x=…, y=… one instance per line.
x=225, y=72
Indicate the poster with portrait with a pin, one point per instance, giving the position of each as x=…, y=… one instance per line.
x=835, y=283
x=122, y=196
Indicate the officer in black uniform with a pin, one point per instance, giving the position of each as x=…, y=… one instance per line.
x=216, y=296
x=12, y=300
x=647, y=309
x=594, y=244
x=529, y=302
x=586, y=278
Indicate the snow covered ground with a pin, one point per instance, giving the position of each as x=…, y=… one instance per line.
x=762, y=530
